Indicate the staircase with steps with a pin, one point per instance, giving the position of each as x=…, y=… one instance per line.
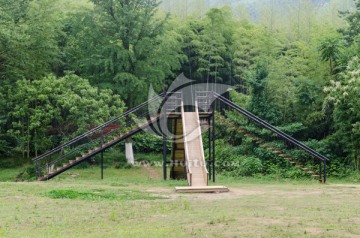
x=187, y=150
x=278, y=152
x=91, y=153
x=96, y=140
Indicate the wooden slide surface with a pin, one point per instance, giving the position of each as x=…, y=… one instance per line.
x=194, y=149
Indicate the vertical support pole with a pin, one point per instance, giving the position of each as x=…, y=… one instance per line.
x=102, y=165
x=164, y=153
x=321, y=180
x=324, y=171
x=164, y=140
x=209, y=141
x=213, y=137
x=102, y=154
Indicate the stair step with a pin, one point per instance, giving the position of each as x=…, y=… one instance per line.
x=79, y=158
x=282, y=155
x=65, y=164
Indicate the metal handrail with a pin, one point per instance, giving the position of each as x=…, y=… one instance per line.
x=52, y=151
x=78, y=148
x=271, y=128
x=189, y=172
x=204, y=171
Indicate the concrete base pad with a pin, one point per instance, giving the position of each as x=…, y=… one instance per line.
x=202, y=189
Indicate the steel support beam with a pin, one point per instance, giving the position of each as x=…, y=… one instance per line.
x=102, y=164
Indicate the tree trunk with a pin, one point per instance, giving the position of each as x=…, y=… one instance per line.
x=35, y=144
x=129, y=153
x=22, y=139
x=28, y=139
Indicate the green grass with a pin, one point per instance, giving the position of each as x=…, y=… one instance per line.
x=9, y=175
x=130, y=203
x=101, y=194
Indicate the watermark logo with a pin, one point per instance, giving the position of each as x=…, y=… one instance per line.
x=184, y=95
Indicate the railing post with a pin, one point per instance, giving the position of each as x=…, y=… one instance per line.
x=324, y=171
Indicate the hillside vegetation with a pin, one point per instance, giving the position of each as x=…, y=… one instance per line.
x=67, y=66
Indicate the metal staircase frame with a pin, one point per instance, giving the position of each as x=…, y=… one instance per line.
x=173, y=103
x=323, y=160
x=98, y=134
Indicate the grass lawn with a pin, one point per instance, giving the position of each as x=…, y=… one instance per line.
x=136, y=203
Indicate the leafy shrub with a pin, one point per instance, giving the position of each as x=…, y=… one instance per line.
x=294, y=173
x=250, y=166
x=29, y=173
x=123, y=165
x=144, y=142
x=292, y=129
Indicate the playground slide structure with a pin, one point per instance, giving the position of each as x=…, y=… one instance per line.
x=187, y=158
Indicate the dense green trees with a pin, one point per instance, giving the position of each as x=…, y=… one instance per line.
x=260, y=103
x=330, y=49
x=29, y=38
x=122, y=43
x=293, y=64
x=50, y=110
x=343, y=96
